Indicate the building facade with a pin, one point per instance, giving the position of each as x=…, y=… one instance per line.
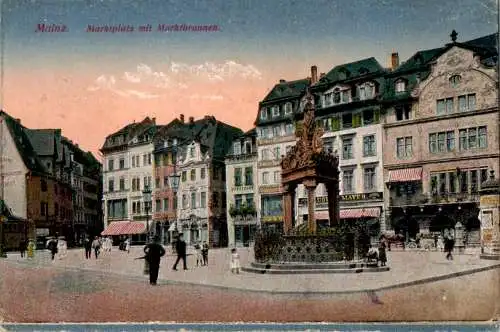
x=128, y=169
x=275, y=127
x=243, y=214
x=347, y=101
x=441, y=136
x=201, y=196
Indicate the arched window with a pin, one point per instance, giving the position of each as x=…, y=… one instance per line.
x=455, y=81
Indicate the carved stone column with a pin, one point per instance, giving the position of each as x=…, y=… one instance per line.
x=288, y=207
x=333, y=197
x=311, y=204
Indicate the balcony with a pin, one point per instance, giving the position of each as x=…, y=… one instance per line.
x=242, y=210
x=439, y=198
x=238, y=189
x=269, y=163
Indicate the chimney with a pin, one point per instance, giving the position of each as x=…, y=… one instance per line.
x=282, y=81
x=322, y=75
x=18, y=120
x=314, y=74
x=181, y=117
x=394, y=60
x=191, y=119
x=153, y=120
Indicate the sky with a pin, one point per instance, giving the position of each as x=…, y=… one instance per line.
x=91, y=84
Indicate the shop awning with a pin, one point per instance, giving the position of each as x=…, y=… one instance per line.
x=124, y=228
x=351, y=214
x=405, y=175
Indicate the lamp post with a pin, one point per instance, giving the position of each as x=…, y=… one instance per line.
x=146, y=193
x=173, y=180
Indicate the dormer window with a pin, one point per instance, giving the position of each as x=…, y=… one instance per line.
x=366, y=91
x=237, y=148
x=247, y=148
x=263, y=113
x=275, y=111
x=400, y=86
x=288, y=108
x=191, y=152
x=174, y=141
x=336, y=97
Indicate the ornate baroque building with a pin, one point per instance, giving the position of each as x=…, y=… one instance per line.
x=441, y=135
x=243, y=214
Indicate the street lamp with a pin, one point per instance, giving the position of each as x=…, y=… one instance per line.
x=146, y=193
x=173, y=180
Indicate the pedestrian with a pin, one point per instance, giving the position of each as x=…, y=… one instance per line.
x=204, y=253
x=199, y=254
x=52, y=246
x=382, y=255
x=96, y=244
x=62, y=247
x=449, y=244
x=110, y=243
x=235, y=261
x=180, y=248
x=127, y=245
x=436, y=241
x=22, y=247
x=88, y=247
x=154, y=251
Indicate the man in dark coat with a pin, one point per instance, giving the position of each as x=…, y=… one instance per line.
x=180, y=248
x=204, y=253
x=88, y=247
x=22, y=247
x=52, y=246
x=154, y=251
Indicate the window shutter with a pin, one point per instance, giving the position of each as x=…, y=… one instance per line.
x=376, y=116
x=356, y=120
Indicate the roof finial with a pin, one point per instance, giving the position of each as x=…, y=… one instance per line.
x=453, y=36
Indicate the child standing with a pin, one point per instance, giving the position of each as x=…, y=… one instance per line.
x=235, y=261
x=199, y=255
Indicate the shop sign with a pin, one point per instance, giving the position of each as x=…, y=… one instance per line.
x=42, y=232
x=322, y=201
x=490, y=200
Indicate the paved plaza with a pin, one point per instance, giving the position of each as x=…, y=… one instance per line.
x=407, y=268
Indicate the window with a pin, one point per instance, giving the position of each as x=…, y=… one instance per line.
x=404, y=147
x=111, y=164
x=157, y=182
x=442, y=183
x=237, y=176
x=166, y=204
x=203, y=173
x=184, y=176
x=473, y=138
x=238, y=201
x=369, y=179
x=277, y=153
x=347, y=152
x=193, y=200
x=265, y=154
x=145, y=160
x=111, y=185
x=122, y=184
x=276, y=131
x=43, y=185
x=165, y=181
x=133, y=161
x=184, y=201
x=157, y=205
x=455, y=81
x=369, y=148
x=450, y=141
x=289, y=129
x=263, y=113
x=288, y=108
x=484, y=175
x=193, y=175
x=467, y=103
x=203, y=200
x=444, y=106
x=366, y=91
x=275, y=110
x=403, y=113
x=237, y=148
x=328, y=99
x=265, y=177
x=348, y=181
x=464, y=181
x=288, y=148
x=272, y=205
x=191, y=152
x=473, y=181
x=347, y=120
x=341, y=97
x=146, y=183
x=122, y=163
x=400, y=86
x=452, y=179
x=277, y=177
x=149, y=159
x=368, y=117
x=249, y=176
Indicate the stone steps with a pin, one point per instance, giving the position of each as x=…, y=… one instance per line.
x=314, y=271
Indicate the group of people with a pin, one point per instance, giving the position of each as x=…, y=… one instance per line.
x=58, y=247
x=378, y=254
x=96, y=244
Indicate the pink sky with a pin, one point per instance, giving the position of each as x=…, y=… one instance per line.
x=90, y=104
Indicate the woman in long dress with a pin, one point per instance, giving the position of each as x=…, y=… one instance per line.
x=235, y=261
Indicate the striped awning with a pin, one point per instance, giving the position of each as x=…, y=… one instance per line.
x=124, y=228
x=351, y=214
x=405, y=175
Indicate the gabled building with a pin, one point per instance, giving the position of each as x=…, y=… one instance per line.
x=441, y=135
x=275, y=127
x=201, y=214
x=243, y=212
x=128, y=170
x=347, y=101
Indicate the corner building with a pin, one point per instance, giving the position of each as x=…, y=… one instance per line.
x=441, y=136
